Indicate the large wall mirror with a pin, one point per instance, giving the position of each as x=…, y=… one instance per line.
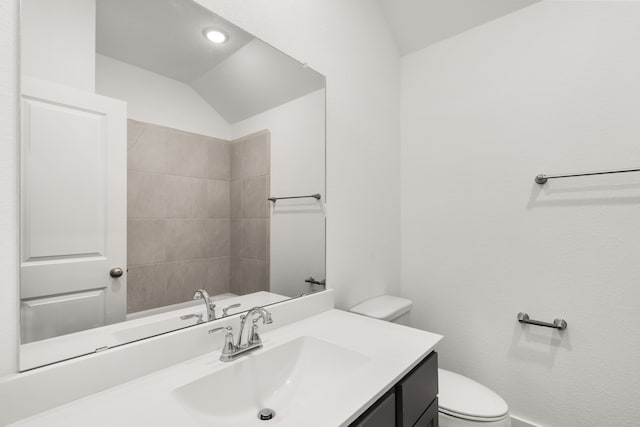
x=154, y=134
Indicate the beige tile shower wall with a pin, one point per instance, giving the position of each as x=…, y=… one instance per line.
x=179, y=212
x=250, y=212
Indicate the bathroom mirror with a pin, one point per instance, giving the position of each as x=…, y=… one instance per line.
x=153, y=134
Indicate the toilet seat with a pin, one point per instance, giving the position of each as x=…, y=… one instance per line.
x=472, y=418
x=464, y=398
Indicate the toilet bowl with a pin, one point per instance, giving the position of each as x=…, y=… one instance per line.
x=462, y=402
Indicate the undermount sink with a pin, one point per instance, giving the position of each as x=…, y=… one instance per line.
x=290, y=379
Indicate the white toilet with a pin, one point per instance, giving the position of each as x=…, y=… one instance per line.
x=462, y=402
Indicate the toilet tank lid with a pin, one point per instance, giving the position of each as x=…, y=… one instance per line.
x=383, y=307
x=465, y=398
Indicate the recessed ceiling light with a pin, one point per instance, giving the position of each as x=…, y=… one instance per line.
x=215, y=36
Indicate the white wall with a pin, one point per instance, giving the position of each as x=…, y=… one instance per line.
x=349, y=43
x=58, y=41
x=552, y=88
x=9, y=294
x=157, y=99
x=297, y=167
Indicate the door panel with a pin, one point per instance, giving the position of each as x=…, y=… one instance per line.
x=36, y=314
x=73, y=205
x=65, y=181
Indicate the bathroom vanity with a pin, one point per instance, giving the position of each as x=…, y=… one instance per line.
x=412, y=402
x=329, y=369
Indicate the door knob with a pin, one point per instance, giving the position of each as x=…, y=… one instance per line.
x=116, y=272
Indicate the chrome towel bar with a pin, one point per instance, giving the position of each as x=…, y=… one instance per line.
x=542, y=178
x=316, y=196
x=559, y=324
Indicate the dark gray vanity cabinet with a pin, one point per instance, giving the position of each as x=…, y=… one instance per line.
x=430, y=416
x=412, y=402
x=416, y=391
x=381, y=414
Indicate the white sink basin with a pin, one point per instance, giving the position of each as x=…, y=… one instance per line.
x=322, y=371
x=291, y=379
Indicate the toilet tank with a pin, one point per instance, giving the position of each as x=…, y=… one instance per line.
x=386, y=307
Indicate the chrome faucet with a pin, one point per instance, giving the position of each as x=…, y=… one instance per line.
x=232, y=350
x=254, y=338
x=204, y=295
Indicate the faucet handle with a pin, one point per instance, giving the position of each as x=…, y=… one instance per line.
x=229, y=348
x=254, y=338
x=226, y=309
x=191, y=316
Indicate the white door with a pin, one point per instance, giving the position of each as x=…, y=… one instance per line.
x=74, y=195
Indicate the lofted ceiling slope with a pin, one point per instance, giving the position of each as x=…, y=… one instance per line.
x=416, y=24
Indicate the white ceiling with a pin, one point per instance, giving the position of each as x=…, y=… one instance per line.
x=164, y=36
x=255, y=79
x=416, y=24
x=245, y=76
x=239, y=79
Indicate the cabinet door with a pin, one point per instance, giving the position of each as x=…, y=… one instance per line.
x=381, y=414
x=417, y=390
x=430, y=416
x=74, y=207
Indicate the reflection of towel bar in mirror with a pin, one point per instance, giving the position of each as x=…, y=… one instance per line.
x=316, y=196
x=313, y=281
x=542, y=178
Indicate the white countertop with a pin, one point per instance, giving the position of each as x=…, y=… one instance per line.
x=140, y=326
x=393, y=351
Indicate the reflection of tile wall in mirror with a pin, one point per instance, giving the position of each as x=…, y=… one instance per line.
x=250, y=223
x=188, y=220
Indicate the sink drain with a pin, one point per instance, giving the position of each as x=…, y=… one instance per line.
x=266, y=414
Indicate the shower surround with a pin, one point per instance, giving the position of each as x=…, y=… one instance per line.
x=198, y=215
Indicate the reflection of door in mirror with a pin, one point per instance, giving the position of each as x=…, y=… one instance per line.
x=73, y=207
x=150, y=149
